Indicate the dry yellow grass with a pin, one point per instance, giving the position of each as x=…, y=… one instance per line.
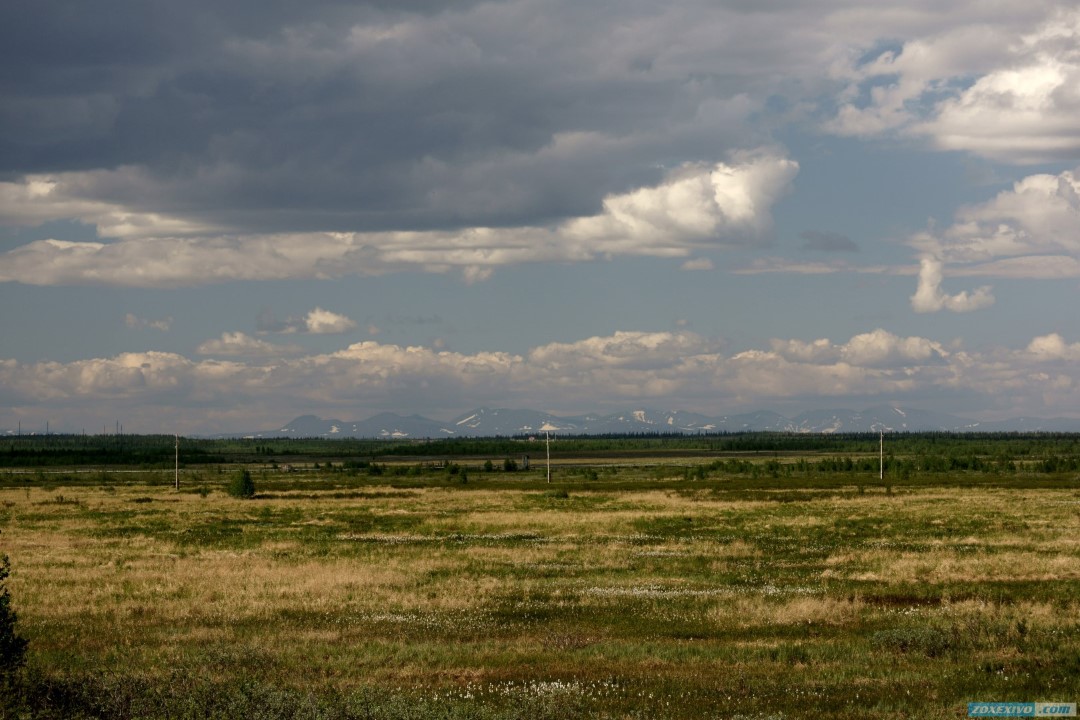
x=446, y=586
x=748, y=611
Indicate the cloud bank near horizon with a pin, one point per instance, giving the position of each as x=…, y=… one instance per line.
x=159, y=390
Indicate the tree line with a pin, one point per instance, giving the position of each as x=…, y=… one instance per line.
x=915, y=452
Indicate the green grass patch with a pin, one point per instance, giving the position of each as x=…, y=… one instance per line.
x=611, y=594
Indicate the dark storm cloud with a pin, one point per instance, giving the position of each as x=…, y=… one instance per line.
x=278, y=116
x=275, y=116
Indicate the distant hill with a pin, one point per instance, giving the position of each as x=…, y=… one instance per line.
x=490, y=422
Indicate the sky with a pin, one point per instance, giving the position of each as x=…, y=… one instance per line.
x=215, y=217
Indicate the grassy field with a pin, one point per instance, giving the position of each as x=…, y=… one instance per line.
x=639, y=593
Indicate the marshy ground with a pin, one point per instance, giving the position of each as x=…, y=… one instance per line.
x=628, y=592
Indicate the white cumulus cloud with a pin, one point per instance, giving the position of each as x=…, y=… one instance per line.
x=1029, y=231
x=929, y=296
x=1040, y=215
x=878, y=348
x=1053, y=347
x=316, y=322
x=1006, y=89
x=243, y=345
x=325, y=322
x=676, y=369
x=695, y=206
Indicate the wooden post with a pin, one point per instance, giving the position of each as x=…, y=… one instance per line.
x=881, y=454
x=547, y=443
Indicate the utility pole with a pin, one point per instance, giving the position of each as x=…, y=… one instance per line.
x=547, y=443
x=881, y=454
x=176, y=467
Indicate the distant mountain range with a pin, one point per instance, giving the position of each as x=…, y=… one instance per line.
x=487, y=422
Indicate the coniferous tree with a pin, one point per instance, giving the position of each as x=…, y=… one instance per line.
x=241, y=485
x=12, y=645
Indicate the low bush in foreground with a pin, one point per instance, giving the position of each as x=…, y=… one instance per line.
x=12, y=645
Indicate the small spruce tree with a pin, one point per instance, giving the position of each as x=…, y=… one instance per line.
x=241, y=485
x=12, y=646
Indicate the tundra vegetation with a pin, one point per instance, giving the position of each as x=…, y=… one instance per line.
x=741, y=576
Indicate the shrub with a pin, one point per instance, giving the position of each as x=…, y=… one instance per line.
x=241, y=485
x=12, y=646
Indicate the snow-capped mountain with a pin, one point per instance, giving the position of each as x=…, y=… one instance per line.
x=491, y=422
x=887, y=418
x=502, y=421
x=384, y=425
